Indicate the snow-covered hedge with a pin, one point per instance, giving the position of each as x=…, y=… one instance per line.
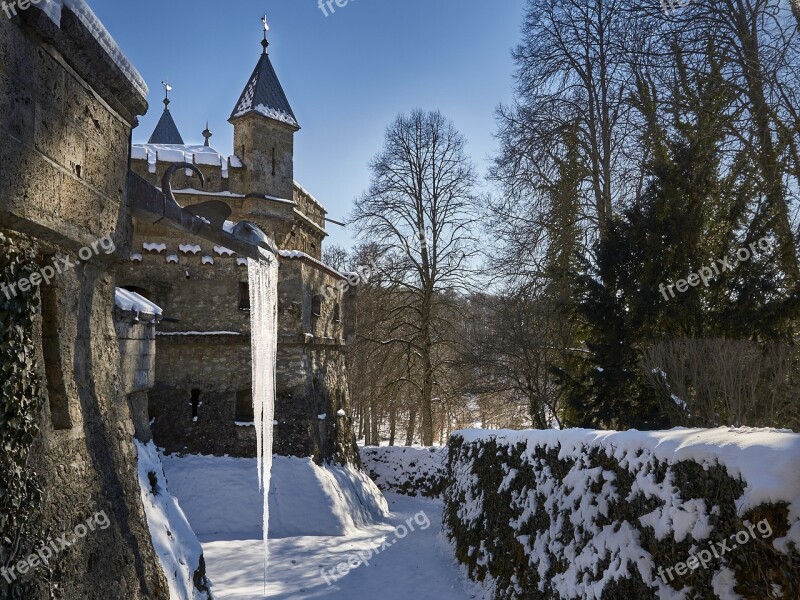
x=668, y=515
x=409, y=471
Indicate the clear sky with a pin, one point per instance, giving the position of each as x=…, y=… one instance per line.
x=346, y=75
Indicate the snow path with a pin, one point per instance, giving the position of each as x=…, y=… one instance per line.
x=418, y=566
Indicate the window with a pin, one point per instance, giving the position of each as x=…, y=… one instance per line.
x=244, y=406
x=244, y=296
x=316, y=307
x=337, y=313
x=195, y=404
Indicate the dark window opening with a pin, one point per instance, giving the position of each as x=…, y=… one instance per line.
x=316, y=307
x=195, y=403
x=244, y=296
x=337, y=313
x=274, y=162
x=54, y=372
x=244, y=407
x=152, y=409
x=138, y=290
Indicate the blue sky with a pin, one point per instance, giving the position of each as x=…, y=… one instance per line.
x=347, y=75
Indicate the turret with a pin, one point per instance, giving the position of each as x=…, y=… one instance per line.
x=263, y=131
x=166, y=132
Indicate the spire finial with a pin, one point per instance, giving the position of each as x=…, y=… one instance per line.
x=207, y=134
x=167, y=90
x=265, y=43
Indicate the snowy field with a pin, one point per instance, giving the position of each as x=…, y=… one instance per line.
x=312, y=534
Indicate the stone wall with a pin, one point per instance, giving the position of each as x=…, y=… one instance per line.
x=65, y=121
x=137, y=347
x=266, y=148
x=203, y=344
x=295, y=223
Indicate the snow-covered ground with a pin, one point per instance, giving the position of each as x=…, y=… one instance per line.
x=418, y=566
x=320, y=519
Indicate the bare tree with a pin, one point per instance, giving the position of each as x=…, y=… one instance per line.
x=712, y=382
x=335, y=257
x=420, y=208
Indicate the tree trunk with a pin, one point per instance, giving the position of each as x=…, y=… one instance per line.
x=427, y=405
x=392, y=423
x=374, y=428
x=367, y=431
x=427, y=366
x=412, y=423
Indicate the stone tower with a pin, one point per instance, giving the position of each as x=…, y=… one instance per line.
x=263, y=132
x=202, y=399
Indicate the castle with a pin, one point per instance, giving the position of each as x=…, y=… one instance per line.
x=150, y=336
x=201, y=402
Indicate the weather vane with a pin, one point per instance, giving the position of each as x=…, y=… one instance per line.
x=265, y=43
x=167, y=90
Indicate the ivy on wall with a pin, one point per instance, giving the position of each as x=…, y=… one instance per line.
x=20, y=394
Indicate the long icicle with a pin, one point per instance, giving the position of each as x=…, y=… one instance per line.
x=263, y=276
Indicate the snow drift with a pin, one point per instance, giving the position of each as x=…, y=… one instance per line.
x=587, y=514
x=176, y=545
x=221, y=498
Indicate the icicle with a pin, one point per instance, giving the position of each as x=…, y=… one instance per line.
x=264, y=339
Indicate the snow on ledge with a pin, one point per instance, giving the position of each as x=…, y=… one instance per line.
x=194, y=333
x=196, y=154
x=298, y=255
x=53, y=8
x=130, y=301
x=270, y=113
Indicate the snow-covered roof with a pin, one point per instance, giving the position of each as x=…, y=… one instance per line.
x=264, y=95
x=52, y=8
x=199, y=155
x=134, y=302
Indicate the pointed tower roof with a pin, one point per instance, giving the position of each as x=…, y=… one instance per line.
x=166, y=132
x=263, y=93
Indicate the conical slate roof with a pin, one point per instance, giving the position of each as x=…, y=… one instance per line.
x=264, y=95
x=166, y=132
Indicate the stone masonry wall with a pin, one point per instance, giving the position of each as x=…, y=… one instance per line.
x=62, y=179
x=215, y=358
